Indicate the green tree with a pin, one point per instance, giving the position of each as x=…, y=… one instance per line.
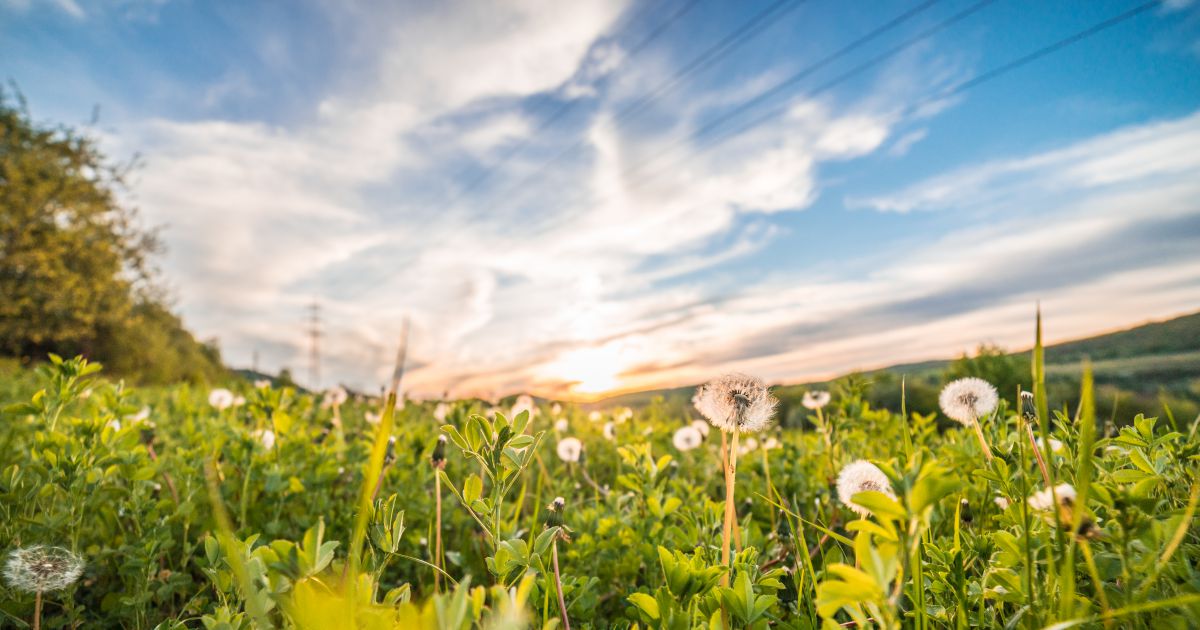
x=75, y=270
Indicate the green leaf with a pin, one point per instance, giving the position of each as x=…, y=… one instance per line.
x=646, y=604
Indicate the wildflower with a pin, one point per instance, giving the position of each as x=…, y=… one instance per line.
x=622, y=415
x=1055, y=445
x=965, y=400
x=441, y=411
x=220, y=398
x=968, y=399
x=238, y=401
x=335, y=397
x=438, y=457
x=701, y=426
x=267, y=437
x=771, y=443
x=524, y=403
x=1044, y=499
x=861, y=476
x=687, y=438
x=262, y=383
x=1001, y=502
x=569, y=449
x=815, y=399
x=736, y=402
x=42, y=569
x=561, y=425
x=610, y=431
x=595, y=416
x=747, y=447
x=371, y=417
x=556, y=409
x=554, y=512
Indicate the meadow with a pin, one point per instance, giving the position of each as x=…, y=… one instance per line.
x=256, y=506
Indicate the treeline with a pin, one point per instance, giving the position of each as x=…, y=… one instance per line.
x=76, y=266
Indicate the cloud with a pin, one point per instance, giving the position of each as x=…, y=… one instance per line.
x=1147, y=153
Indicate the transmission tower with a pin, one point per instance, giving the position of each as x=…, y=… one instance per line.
x=314, y=344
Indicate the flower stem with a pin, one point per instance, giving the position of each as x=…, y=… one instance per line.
x=562, y=605
x=437, y=532
x=1038, y=452
x=730, y=513
x=37, y=610
x=987, y=450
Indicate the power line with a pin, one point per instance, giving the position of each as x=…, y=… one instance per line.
x=750, y=29
x=808, y=70
x=564, y=107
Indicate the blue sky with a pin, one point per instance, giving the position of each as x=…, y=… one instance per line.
x=557, y=206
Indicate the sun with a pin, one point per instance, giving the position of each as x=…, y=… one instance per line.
x=589, y=371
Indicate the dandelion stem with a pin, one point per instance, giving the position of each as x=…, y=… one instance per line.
x=1038, y=453
x=37, y=610
x=987, y=450
x=730, y=483
x=562, y=605
x=437, y=532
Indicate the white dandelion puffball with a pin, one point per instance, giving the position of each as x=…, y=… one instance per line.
x=569, y=449
x=441, y=411
x=561, y=425
x=262, y=383
x=623, y=414
x=335, y=397
x=610, y=431
x=220, y=398
x=687, y=438
x=968, y=399
x=524, y=403
x=41, y=569
x=861, y=476
x=267, y=437
x=372, y=418
x=556, y=409
x=1044, y=500
x=815, y=399
x=736, y=402
x=749, y=445
x=595, y=416
x=771, y=444
x=701, y=426
x=238, y=401
x=1001, y=502
x=1055, y=445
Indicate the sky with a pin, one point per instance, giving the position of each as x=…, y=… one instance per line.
x=573, y=198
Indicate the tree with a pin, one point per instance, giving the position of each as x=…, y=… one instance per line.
x=75, y=273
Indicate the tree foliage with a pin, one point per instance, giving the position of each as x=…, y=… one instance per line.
x=76, y=270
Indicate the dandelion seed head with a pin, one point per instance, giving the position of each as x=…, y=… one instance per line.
x=561, y=425
x=861, y=476
x=736, y=402
x=524, y=403
x=968, y=399
x=815, y=399
x=335, y=397
x=1044, y=499
x=267, y=437
x=595, y=416
x=262, y=383
x=220, y=398
x=1001, y=502
x=42, y=569
x=569, y=449
x=441, y=411
x=372, y=418
x=555, y=409
x=238, y=401
x=687, y=438
x=610, y=431
x=702, y=427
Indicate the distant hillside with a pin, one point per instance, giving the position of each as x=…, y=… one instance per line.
x=1143, y=359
